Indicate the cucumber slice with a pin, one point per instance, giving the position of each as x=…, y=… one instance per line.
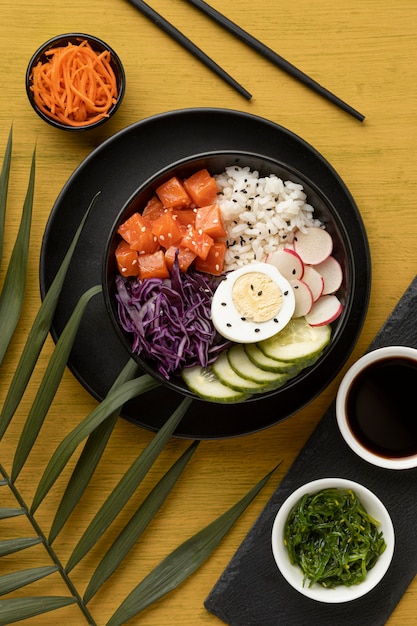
x=206, y=385
x=260, y=359
x=243, y=366
x=227, y=375
x=298, y=341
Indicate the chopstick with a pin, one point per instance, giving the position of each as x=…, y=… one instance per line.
x=275, y=58
x=178, y=36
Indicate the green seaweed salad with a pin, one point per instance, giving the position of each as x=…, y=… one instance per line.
x=332, y=538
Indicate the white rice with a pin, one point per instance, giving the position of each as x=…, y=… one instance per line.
x=260, y=215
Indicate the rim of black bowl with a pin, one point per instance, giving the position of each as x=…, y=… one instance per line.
x=197, y=161
x=96, y=44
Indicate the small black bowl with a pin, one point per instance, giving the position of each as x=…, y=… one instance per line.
x=216, y=163
x=76, y=39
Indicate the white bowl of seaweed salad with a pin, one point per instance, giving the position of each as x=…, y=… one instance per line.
x=333, y=540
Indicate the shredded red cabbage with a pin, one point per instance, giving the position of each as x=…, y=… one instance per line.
x=170, y=319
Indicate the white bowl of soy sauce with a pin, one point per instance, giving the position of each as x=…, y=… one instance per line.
x=375, y=407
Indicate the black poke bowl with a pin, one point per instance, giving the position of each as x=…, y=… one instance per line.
x=349, y=249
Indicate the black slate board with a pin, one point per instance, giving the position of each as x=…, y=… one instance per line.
x=252, y=591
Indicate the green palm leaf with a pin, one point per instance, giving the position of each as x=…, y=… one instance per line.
x=10, y=546
x=4, y=186
x=50, y=382
x=16, y=580
x=38, y=333
x=5, y=513
x=111, y=403
x=88, y=459
x=18, y=609
x=12, y=295
x=93, y=432
x=127, y=485
x=183, y=561
x=138, y=523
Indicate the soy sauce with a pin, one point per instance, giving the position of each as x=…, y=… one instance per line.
x=381, y=407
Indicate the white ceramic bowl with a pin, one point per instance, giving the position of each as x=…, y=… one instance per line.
x=294, y=575
x=370, y=455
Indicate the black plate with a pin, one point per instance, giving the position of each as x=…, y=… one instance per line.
x=116, y=168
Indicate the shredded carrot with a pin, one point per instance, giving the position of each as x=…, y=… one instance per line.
x=76, y=85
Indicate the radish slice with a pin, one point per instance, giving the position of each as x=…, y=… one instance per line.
x=324, y=311
x=314, y=280
x=332, y=274
x=288, y=262
x=314, y=245
x=303, y=298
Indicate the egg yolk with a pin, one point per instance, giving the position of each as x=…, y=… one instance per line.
x=256, y=297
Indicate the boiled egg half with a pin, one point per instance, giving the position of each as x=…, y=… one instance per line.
x=252, y=303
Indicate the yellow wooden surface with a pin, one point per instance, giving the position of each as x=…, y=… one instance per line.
x=362, y=51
